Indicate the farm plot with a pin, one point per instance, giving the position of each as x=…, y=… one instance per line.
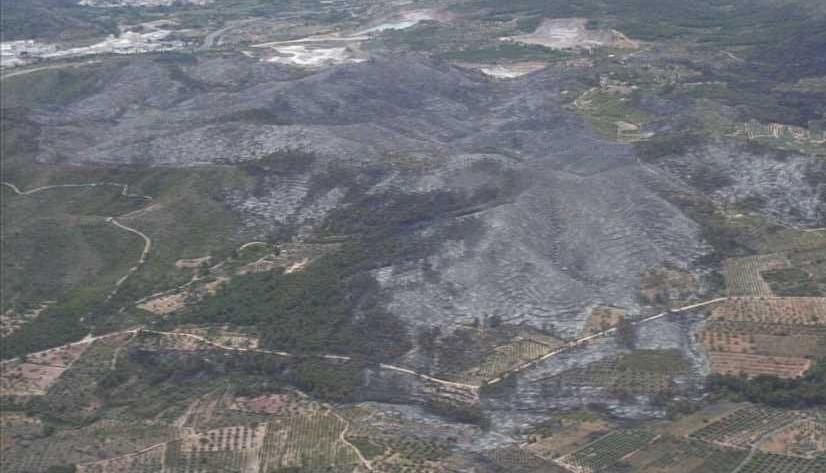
x=73, y=396
x=763, y=339
x=271, y=404
x=745, y=426
x=743, y=274
x=227, y=438
x=644, y=371
x=601, y=319
x=150, y=460
x=38, y=372
x=809, y=311
x=687, y=425
x=518, y=460
x=550, y=442
x=176, y=461
x=11, y=320
x=408, y=454
x=772, y=336
x=675, y=455
x=606, y=452
x=506, y=357
x=14, y=426
x=310, y=437
x=756, y=365
x=770, y=463
x=472, y=355
x=234, y=448
x=803, y=439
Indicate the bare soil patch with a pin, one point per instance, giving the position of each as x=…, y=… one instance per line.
x=571, y=33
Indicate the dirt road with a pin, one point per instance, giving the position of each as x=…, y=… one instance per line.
x=584, y=340
x=23, y=72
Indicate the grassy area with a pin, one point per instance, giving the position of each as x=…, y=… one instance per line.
x=605, y=110
x=58, y=240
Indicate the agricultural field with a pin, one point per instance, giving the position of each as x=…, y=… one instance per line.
x=756, y=365
x=520, y=460
x=639, y=372
x=745, y=426
x=353, y=236
x=607, y=452
x=668, y=286
x=311, y=437
x=807, y=311
x=611, y=111
x=486, y=353
x=603, y=318
x=35, y=374
x=765, y=336
x=766, y=462
x=566, y=435
x=669, y=454
x=806, y=438
x=744, y=278
x=788, y=137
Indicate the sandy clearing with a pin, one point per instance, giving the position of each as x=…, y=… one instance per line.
x=570, y=33
x=192, y=263
x=297, y=266
x=510, y=71
x=303, y=56
x=165, y=305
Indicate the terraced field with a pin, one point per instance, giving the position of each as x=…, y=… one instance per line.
x=809, y=311
x=677, y=455
x=806, y=438
x=769, y=336
x=606, y=452
x=310, y=439
x=743, y=276
x=625, y=374
x=764, y=462
x=745, y=426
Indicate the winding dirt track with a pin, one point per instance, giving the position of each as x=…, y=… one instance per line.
x=124, y=188
x=125, y=193
x=144, y=254
x=398, y=369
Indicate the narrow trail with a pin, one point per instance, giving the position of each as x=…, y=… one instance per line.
x=144, y=254
x=342, y=436
x=124, y=188
x=125, y=193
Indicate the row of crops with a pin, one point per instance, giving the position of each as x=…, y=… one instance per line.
x=744, y=426
x=772, y=463
x=308, y=439
x=607, y=451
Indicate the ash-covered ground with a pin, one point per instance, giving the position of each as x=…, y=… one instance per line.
x=507, y=204
x=555, y=219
